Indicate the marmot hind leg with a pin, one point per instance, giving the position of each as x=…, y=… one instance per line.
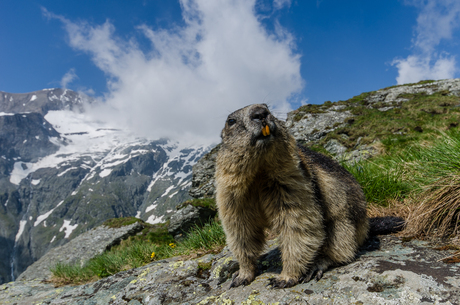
x=320, y=265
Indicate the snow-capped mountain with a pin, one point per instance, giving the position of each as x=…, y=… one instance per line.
x=63, y=173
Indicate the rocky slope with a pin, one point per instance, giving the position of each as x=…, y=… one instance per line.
x=62, y=173
x=311, y=124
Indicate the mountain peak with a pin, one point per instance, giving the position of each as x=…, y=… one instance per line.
x=42, y=101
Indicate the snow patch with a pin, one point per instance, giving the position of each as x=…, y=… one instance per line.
x=35, y=181
x=68, y=228
x=44, y=216
x=151, y=207
x=52, y=239
x=154, y=219
x=5, y=114
x=33, y=98
x=67, y=170
x=168, y=190
x=105, y=172
x=172, y=195
x=138, y=214
x=19, y=172
x=22, y=225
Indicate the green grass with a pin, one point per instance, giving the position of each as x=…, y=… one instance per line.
x=153, y=244
x=409, y=170
x=381, y=180
x=207, y=237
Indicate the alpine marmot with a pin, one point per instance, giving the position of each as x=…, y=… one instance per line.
x=265, y=180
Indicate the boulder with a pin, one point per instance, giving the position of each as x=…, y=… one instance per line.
x=79, y=250
x=187, y=218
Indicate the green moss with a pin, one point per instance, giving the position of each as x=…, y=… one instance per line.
x=204, y=266
x=205, y=203
x=121, y=222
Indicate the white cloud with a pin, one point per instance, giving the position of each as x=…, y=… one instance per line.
x=415, y=68
x=69, y=77
x=194, y=76
x=436, y=22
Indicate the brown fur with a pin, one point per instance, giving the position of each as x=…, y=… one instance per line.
x=317, y=207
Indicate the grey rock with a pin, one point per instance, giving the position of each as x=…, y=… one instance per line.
x=396, y=273
x=315, y=123
x=361, y=152
x=79, y=250
x=390, y=95
x=203, y=176
x=27, y=137
x=383, y=109
x=334, y=147
x=187, y=218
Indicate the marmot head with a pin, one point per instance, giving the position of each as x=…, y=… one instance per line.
x=251, y=126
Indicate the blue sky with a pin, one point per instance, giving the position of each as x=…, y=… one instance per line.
x=159, y=56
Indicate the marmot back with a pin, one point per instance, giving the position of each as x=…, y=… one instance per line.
x=264, y=180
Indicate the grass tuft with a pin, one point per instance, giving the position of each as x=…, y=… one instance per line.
x=153, y=244
x=438, y=213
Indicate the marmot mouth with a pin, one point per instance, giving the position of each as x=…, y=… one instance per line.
x=264, y=134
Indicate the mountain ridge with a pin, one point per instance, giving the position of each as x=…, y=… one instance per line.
x=63, y=173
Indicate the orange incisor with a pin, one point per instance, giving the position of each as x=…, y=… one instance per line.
x=266, y=131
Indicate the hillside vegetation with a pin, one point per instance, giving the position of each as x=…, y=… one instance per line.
x=416, y=176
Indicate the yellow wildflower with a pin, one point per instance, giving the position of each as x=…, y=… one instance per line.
x=172, y=245
x=153, y=255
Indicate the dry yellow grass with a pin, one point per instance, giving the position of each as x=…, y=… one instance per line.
x=395, y=208
x=436, y=211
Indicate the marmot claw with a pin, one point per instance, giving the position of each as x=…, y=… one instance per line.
x=277, y=283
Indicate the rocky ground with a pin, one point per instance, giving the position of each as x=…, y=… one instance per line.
x=388, y=271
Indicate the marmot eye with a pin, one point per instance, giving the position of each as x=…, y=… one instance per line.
x=231, y=122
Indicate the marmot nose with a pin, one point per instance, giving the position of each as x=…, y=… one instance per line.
x=259, y=114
